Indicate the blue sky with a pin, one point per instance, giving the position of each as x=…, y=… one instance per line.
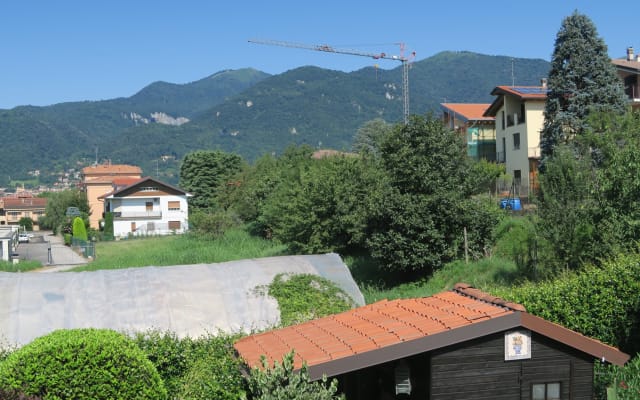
x=74, y=50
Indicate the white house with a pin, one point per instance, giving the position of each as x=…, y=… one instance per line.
x=147, y=207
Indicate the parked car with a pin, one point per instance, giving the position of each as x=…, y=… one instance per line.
x=23, y=238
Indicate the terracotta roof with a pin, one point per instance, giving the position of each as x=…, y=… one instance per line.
x=632, y=65
x=109, y=169
x=389, y=330
x=469, y=111
x=24, y=203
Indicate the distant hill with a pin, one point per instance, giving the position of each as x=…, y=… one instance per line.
x=246, y=111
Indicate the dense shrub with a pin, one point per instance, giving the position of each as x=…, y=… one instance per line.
x=202, y=368
x=168, y=353
x=303, y=297
x=280, y=382
x=214, y=371
x=82, y=364
x=9, y=394
x=600, y=302
x=626, y=383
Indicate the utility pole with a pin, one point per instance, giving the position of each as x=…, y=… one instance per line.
x=376, y=56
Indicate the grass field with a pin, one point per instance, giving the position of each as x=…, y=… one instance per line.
x=22, y=266
x=236, y=244
x=484, y=274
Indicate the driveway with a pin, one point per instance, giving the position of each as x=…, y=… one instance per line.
x=50, y=251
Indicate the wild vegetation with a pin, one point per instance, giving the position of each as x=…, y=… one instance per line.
x=407, y=211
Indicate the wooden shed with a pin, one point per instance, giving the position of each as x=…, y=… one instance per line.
x=459, y=344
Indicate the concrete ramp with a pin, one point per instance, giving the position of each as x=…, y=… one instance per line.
x=190, y=300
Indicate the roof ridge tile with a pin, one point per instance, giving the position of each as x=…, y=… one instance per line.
x=465, y=289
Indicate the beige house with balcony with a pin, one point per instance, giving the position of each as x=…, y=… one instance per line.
x=97, y=180
x=14, y=208
x=519, y=119
x=628, y=69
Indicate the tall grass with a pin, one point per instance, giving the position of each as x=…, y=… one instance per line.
x=236, y=244
x=22, y=266
x=483, y=274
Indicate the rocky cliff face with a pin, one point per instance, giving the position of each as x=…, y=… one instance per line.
x=157, y=117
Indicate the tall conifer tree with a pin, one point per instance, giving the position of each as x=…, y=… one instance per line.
x=582, y=81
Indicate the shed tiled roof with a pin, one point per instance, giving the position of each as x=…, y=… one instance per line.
x=469, y=111
x=388, y=330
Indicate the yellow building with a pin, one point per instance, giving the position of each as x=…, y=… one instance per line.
x=97, y=180
x=519, y=114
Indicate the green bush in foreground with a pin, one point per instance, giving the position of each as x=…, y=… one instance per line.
x=82, y=364
x=599, y=302
x=202, y=368
x=280, y=382
x=626, y=384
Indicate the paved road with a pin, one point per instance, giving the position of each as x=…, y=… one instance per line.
x=51, y=252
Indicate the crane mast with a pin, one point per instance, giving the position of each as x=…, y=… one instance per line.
x=376, y=56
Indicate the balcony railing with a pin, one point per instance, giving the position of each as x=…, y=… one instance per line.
x=137, y=214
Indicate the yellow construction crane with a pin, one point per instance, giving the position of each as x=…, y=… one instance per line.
x=376, y=56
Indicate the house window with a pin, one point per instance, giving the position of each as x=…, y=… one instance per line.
x=149, y=189
x=174, y=225
x=502, y=113
x=516, y=141
x=545, y=391
x=521, y=115
x=174, y=206
x=148, y=206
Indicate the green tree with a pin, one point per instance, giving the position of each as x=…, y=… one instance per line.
x=418, y=213
x=568, y=208
x=582, y=81
x=55, y=212
x=281, y=382
x=26, y=223
x=369, y=136
x=319, y=206
x=205, y=173
x=79, y=229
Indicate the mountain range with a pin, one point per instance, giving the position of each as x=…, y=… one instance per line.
x=244, y=111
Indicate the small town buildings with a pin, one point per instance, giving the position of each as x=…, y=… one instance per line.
x=458, y=344
x=14, y=208
x=146, y=206
x=478, y=130
x=628, y=69
x=97, y=180
x=519, y=119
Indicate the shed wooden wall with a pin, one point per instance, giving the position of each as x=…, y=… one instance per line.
x=476, y=370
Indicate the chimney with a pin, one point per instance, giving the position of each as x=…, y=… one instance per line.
x=630, y=53
x=543, y=82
